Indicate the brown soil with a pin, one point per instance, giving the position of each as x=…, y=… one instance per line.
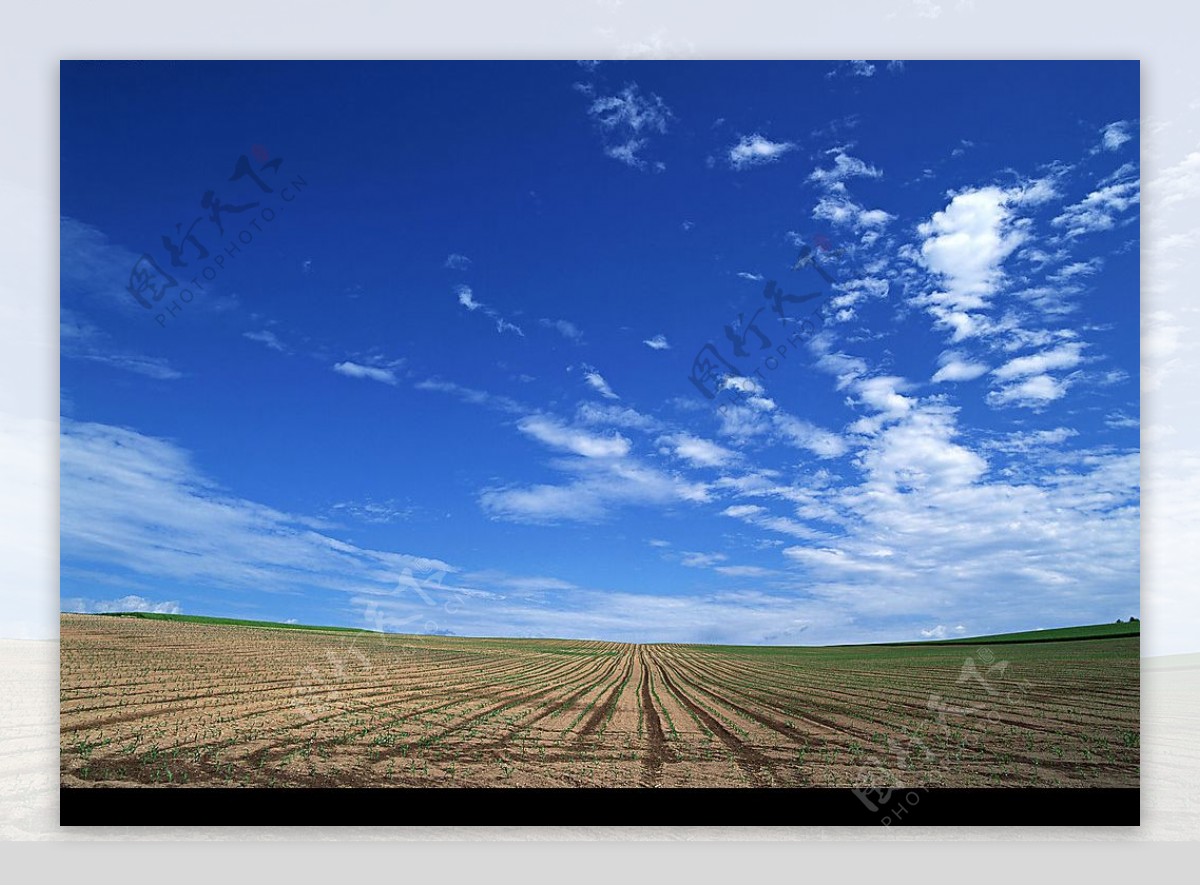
x=150, y=702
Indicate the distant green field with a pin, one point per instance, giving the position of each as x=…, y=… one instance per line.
x=1082, y=632
x=212, y=620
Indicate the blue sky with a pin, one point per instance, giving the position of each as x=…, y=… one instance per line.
x=442, y=382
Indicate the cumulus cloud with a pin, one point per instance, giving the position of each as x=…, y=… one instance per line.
x=756, y=150
x=966, y=244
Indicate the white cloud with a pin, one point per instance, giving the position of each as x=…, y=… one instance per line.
x=755, y=150
x=597, y=382
x=743, y=384
x=882, y=393
x=81, y=340
x=619, y=416
x=466, y=298
x=1114, y=135
x=1076, y=269
x=754, y=278
x=456, y=262
x=856, y=68
x=741, y=423
x=844, y=167
x=805, y=435
x=1029, y=441
x=938, y=632
x=1065, y=356
x=1178, y=182
x=602, y=485
x=1098, y=211
x=128, y=603
x=1037, y=390
x=151, y=367
x=139, y=505
x=565, y=328
x=955, y=366
x=699, y=452
x=268, y=338
x=627, y=119
x=657, y=343
x=919, y=452
x=357, y=370
x=841, y=210
x=552, y=433
x=966, y=244
x=744, y=571
x=698, y=560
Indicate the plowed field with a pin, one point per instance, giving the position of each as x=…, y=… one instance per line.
x=157, y=702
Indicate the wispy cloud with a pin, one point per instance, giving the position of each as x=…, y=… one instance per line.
x=1101, y=208
x=565, y=328
x=844, y=167
x=627, y=120
x=856, y=68
x=268, y=338
x=956, y=366
x=357, y=370
x=699, y=452
x=597, y=383
x=457, y=262
x=1063, y=357
x=82, y=340
x=1113, y=135
x=657, y=343
x=1035, y=391
x=555, y=434
x=128, y=603
x=466, y=298
x=139, y=504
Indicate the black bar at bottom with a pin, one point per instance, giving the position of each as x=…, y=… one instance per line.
x=759, y=807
